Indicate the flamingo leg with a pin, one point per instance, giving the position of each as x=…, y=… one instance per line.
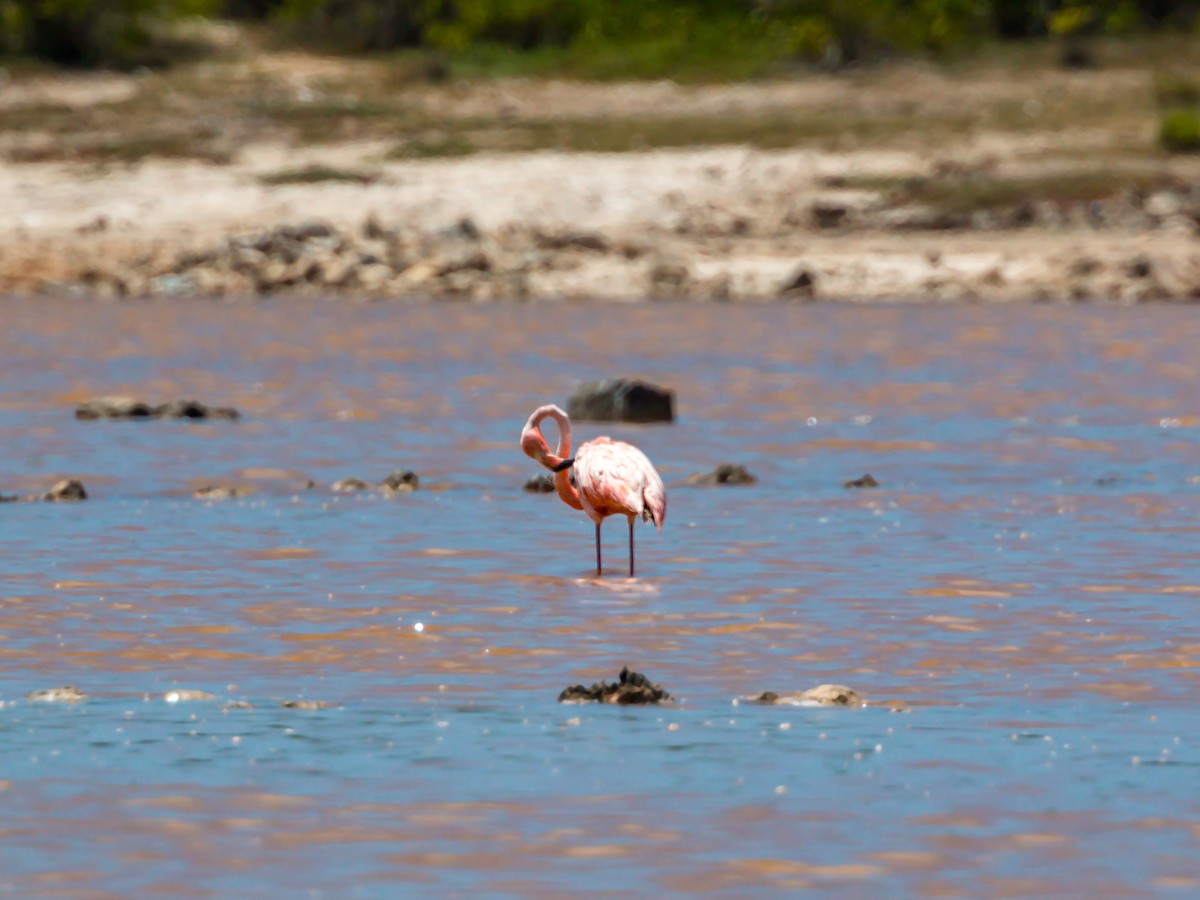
x=631, y=546
x=597, y=549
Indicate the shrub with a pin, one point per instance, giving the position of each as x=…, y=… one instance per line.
x=1179, y=131
x=118, y=33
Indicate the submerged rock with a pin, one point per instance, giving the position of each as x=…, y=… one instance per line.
x=184, y=696
x=540, y=484
x=621, y=400
x=217, y=492
x=9, y=498
x=821, y=695
x=865, y=481
x=630, y=688
x=119, y=407
x=238, y=704
x=69, y=490
x=305, y=704
x=400, y=483
x=726, y=473
x=67, y=694
x=350, y=485
x=194, y=409
x=115, y=407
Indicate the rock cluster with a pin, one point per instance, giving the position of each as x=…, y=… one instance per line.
x=621, y=400
x=131, y=408
x=629, y=688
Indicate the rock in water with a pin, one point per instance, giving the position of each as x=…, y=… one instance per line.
x=115, y=408
x=630, y=688
x=130, y=408
x=400, y=483
x=866, y=481
x=69, y=489
x=540, y=484
x=194, y=409
x=216, y=492
x=349, y=485
x=821, y=695
x=67, y=694
x=187, y=696
x=726, y=473
x=621, y=400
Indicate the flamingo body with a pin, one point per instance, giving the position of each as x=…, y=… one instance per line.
x=605, y=478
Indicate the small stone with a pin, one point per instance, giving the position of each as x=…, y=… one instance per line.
x=621, y=400
x=349, y=485
x=186, y=696
x=67, y=694
x=821, y=695
x=864, y=481
x=825, y=214
x=216, y=492
x=238, y=704
x=67, y=490
x=305, y=704
x=540, y=484
x=194, y=409
x=801, y=283
x=115, y=407
x=726, y=473
x=400, y=483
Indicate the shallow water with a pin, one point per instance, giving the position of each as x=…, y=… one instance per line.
x=1017, y=602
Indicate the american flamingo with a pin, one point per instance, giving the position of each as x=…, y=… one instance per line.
x=604, y=478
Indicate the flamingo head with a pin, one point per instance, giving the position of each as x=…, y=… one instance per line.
x=533, y=442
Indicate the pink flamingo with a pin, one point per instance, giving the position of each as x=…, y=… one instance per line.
x=604, y=478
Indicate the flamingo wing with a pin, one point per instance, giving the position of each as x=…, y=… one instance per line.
x=614, y=477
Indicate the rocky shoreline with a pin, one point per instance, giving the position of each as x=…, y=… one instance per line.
x=715, y=256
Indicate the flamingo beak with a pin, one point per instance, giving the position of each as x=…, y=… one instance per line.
x=564, y=465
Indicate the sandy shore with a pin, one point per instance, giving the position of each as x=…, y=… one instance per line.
x=723, y=222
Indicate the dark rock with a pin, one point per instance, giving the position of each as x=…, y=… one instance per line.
x=538, y=484
x=13, y=498
x=130, y=408
x=865, y=481
x=726, y=473
x=1139, y=267
x=115, y=408
x=69, y=489
x=194, y=409
x=801, y=283
x=621, y=400
x=401, y=482
x=630, y=688
x=828, y=215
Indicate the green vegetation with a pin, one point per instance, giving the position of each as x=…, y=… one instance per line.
x=965, y=194
x=681, y=39
x=1179, y=130
x=90, y=33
